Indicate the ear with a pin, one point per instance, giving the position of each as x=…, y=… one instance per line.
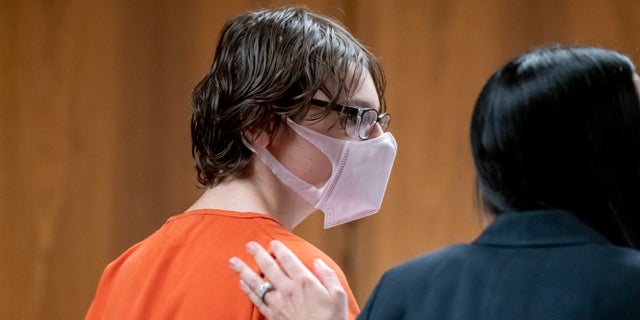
x=258, y=138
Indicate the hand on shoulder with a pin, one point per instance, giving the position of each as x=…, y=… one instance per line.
x=293, y=291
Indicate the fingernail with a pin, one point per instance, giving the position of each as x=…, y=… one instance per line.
x=273, y=244
x=252, y=247
x=320, y=263
x=233, y=263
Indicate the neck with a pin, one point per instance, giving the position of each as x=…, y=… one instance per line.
x=261, y=192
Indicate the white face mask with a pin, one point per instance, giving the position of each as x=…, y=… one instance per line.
x=358, y=180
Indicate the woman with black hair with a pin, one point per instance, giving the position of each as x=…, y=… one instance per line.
x=555, y=135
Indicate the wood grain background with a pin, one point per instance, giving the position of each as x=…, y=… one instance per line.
x=94, y=125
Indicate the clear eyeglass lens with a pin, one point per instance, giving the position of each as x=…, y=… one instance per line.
x=384, y=121
x=367, y=123
x=349, y=127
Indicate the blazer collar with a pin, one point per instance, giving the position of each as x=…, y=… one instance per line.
x=538, y=228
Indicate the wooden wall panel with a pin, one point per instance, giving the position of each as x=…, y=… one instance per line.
x=94, y=116
x=437, y=54
x=57, y=180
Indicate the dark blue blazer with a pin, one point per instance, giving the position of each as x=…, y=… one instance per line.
x=540, y=265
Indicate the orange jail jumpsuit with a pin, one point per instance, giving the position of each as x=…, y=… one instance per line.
x=182, y=270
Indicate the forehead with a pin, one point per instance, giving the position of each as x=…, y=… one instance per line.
x=636, y=80
x=365, y=94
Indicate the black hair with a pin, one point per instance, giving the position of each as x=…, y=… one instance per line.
x=559, y=128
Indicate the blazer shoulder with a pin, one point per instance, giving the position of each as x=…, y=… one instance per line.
x=627, y=265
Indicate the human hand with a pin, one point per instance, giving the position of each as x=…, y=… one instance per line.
x=296, y=293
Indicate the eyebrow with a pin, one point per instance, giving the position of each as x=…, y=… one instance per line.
x=352, y=106
x=361, y=104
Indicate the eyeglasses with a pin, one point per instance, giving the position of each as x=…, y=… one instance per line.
x=365, y=118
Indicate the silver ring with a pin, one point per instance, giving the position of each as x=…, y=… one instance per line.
x=265, y=287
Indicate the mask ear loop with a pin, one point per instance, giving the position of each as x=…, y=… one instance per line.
x=249, y=137
x=263, y=137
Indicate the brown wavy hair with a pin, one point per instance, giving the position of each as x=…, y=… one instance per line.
x=267, y=66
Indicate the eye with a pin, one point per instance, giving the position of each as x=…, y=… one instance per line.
x=348, y=121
